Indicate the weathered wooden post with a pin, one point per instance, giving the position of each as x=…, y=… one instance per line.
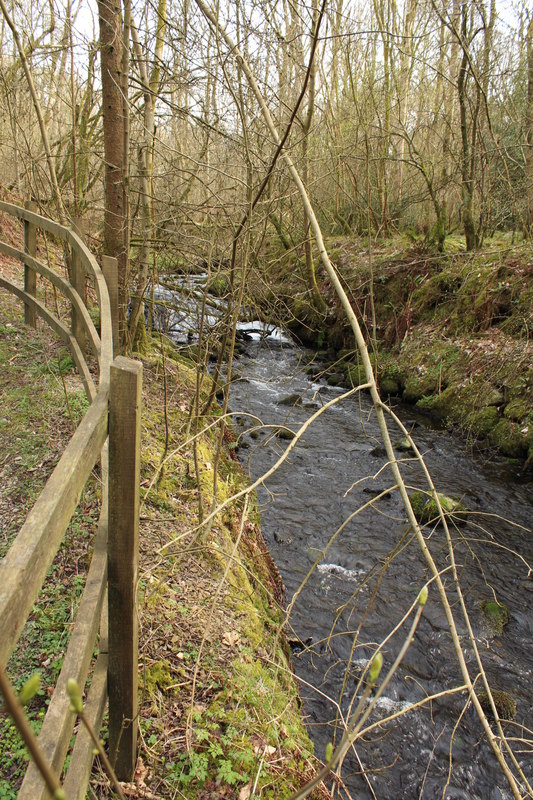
x=123, y=547
x=110, y=270
x=77, y=278
x=30, y=278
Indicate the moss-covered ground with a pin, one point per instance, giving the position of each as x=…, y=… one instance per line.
x=220, y=713
x=451, y=331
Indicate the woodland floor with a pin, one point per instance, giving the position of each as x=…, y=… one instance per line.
x=220, y=712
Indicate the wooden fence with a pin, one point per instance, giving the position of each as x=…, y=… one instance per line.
x=109, y=433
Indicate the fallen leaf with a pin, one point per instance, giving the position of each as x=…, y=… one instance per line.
x=231, y=638
x=246, y=791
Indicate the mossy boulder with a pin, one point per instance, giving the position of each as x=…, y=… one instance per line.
x=307, y=324
x=496, y=615
x=285, y=433
x=335, y=379
x=418, y=386
x=426, y=509
x=403, y=445
x=443, y=405
x=219, y=285
x=517, y=409
x=389, y=386
x=504, y=702
x=508, y=438
x=355, y=374
x=485, y=420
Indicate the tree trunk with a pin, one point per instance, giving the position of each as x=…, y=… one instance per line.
x=529, y=129
x=467, y=183
x=113, y=117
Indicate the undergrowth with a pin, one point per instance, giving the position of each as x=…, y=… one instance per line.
x=220, y=713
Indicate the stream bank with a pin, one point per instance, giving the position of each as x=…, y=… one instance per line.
x=452, y=331
x=220, y=712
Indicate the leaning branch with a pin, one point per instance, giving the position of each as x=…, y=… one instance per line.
x=374, y=392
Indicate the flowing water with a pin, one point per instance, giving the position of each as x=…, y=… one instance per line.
x=370, y=573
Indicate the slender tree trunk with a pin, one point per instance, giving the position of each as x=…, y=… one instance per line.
x=529, y=129
x=318, y=302
x=38, y=110
x=467, y=183
x=113, y=118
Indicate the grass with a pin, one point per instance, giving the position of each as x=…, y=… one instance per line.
x=219, y=707
x=42, y=401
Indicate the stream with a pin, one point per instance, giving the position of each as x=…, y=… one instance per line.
x=373, y=571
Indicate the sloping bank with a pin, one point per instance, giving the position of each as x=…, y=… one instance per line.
x=221, y=714
x=453, y=334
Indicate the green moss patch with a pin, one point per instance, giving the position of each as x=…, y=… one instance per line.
x=426, y=510
x=504, y=702
x=496, y=615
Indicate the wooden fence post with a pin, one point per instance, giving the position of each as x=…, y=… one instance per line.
x=77, y=279
x=110, y=270
x=30, y=278
x=123, y=547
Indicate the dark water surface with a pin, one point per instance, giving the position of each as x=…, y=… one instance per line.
x=373, y=571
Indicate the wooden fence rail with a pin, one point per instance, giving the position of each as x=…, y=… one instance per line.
x=108, y=434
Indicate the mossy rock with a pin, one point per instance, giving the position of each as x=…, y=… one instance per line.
x=517, y=409
x=484, y=421
x=494, y=397
x=335, y=379
x=418, y=386
x=285, y=433
x=508, y=438
x=389, y=386
x=291, y=400
x=504, y=702
x=355, y=374
x=219, y=285
x=403, y=445
x=496, y=615
x=443, y=405
x=425, y=508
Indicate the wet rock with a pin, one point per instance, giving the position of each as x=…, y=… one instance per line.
x=314, y=372
x=403, y=445
x=376, y=492
x=496, y=615
x=285, y=433
x=298, y=645
x=378, y=451
x=291, y=400
x=283, y=538
x=504, y=702
x=426, y=510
